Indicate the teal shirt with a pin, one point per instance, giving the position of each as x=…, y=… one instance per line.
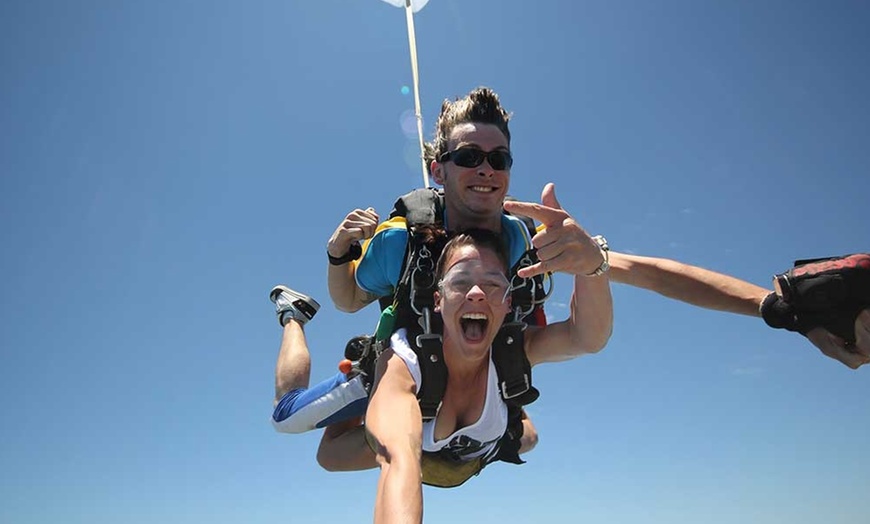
x=379, y=269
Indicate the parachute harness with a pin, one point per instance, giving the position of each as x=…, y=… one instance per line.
x=535, y=288
x=412, y=307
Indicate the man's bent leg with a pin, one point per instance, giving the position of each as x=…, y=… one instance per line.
x=343, y=447
x=294, y=310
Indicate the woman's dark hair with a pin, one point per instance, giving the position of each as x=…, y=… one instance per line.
x=479, y=238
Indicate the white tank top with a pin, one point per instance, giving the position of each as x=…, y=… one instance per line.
x=471, y=441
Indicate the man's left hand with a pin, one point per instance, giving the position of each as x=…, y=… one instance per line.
x=562, y=245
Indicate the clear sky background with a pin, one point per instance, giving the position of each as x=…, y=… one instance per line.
x=165, y=163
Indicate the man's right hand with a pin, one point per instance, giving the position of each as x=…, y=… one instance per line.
x=358, y=225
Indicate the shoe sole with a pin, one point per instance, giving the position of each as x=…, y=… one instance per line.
x=305, y=304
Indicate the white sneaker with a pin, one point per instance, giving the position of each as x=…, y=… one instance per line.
x=291, y=304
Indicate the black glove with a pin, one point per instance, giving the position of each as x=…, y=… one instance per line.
x=824, y=292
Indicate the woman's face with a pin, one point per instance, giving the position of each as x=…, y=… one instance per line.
x=473, y=299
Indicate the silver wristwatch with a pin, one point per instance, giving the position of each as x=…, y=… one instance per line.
x=605, y=264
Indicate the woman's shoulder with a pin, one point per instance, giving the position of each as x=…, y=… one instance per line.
x=402, y=349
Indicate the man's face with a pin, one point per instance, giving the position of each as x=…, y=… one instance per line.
x=474, y=192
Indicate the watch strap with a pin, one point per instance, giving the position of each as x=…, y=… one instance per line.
x=353, y=253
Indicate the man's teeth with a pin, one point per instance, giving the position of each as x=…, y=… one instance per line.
x=474, y=316
x=482, y=189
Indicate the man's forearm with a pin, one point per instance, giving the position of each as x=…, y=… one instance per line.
x=592, y=312
x=357, y=226
x=343, y=290
x=691, y=284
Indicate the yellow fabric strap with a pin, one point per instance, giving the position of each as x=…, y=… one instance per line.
x=443, y=473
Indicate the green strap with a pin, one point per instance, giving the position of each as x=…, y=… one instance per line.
x=386, y=323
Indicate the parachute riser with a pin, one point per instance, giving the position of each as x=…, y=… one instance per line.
x=412, y=44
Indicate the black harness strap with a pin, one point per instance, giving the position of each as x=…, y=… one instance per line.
x=510, y=443
x=419, y=207
x=508, y=348
x=430, y=353
x=415, y=295
x=512, y=365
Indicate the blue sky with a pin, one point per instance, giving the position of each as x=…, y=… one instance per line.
x=164, y=164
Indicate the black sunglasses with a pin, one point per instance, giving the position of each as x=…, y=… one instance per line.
x=473, y=157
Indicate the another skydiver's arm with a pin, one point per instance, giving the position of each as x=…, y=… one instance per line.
x=395, y=432
x=358, y=225
x=711, y=290
x=694, y=285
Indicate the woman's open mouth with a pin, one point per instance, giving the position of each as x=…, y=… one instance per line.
x=474, y=326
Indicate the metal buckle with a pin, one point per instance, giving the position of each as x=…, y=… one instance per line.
x=425, y=266
x=503, y=388
x=433, y=417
